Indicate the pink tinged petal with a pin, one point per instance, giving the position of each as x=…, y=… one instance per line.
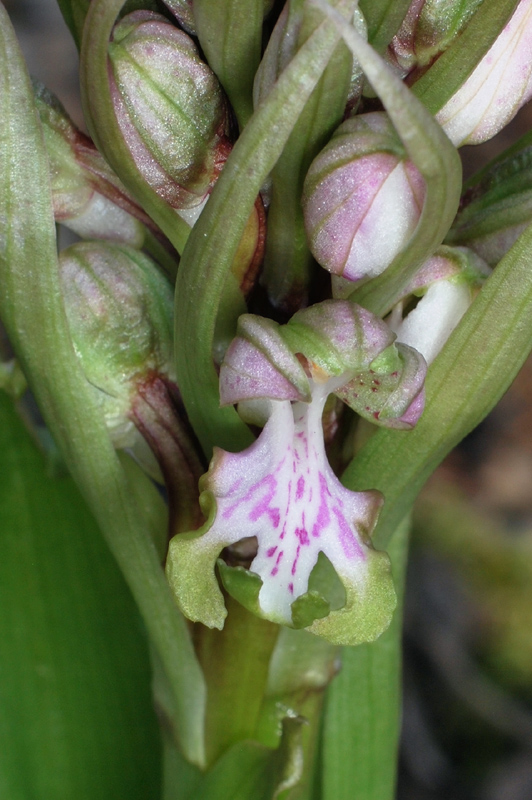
x=497, y=88
x=247, y=374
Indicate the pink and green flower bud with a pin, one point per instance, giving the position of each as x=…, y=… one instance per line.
x=446, y=285
x=428, y=29
x=314, y=565
x=119, y=308
x=88, y=198
x=497, y=206
x=497, y=88
x=169, y=106
x=362, y=198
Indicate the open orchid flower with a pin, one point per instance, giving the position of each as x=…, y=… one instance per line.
x=446, y=284
x=314, y=566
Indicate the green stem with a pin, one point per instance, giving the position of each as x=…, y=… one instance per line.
x=362, y=715
x=214, y=239
x=236, y=663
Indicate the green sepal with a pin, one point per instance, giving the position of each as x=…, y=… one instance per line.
x=74, y=13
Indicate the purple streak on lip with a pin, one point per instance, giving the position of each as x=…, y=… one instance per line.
x=275, y=570
x=291, y=588
x=271, y=552
x=300, y=487
x=302, y=535
x=349, y=544
x=324, y=516
x=294, y=565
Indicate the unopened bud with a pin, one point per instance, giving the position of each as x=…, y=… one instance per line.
x=362, y=198
x=119, y=308
x=497, y=88
x=169, y=106
x=88, y=198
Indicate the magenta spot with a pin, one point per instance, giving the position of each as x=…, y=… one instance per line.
x=271, y=551
x=300, y=487
x=279, y=557
x=274, y=571
x=291, y=588
x=324, y=516
x=302, y=535
x=275, y=516
x=294, y=565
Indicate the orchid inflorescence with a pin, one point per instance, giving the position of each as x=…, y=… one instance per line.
x=279, y=276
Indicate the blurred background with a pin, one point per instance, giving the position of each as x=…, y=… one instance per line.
x=467, y=719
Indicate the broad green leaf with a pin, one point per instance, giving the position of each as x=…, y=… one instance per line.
x=474, y=369
x=384, y=18
x=76, y=714
x=33, y=314
x=454, y=66
x=432, y=153
x=214, y=239
x=230, y=34
x=362, y=710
